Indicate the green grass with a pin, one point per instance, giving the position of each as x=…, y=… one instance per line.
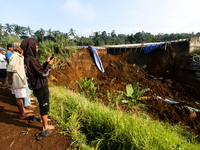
x=196, y=52
x=95, y=126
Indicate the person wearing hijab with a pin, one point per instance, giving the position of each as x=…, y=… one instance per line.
x=37, y=80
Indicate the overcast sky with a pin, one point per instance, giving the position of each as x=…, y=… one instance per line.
x=87, y=16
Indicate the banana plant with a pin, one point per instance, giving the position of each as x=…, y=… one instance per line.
x=87, y=87
x=132, y=94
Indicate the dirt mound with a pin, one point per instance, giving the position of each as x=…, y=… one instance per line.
x=161, y=75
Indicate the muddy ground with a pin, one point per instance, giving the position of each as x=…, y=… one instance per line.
x=160, y=70
x=11, y=128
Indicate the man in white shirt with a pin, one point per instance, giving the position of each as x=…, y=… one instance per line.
x=17, y=80
x=3, y=73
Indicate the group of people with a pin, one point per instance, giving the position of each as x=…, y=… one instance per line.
x=25, y=73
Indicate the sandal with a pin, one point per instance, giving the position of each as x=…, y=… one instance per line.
x=32, y=118
x=38, y=133
x=43, y=134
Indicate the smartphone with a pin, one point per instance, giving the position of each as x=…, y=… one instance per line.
x=52, y=57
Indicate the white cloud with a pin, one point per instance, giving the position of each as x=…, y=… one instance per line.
x=79, y=10
x=164, y=16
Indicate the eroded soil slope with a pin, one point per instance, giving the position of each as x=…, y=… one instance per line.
x=162, y=74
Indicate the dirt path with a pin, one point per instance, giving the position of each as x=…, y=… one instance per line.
x=11, y=127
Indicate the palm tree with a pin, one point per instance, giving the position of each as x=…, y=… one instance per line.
x=9, y=28
x=30, y=32
x=42, y=31
x=40, y=34
x=56, y=34
x=66, y=36
x=72, y=33
x=50, y=33
x=18, y=30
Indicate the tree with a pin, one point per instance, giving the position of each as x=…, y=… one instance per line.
x=88, y=41
x=56, y=34
x=9, y=28
x=138, y=37
x=82, y=40
x=122, y=36
x=18, y=30
x=30, y=32
x=40, y=34
x=97, y=39
x=50, y=33
x=130, y=39
x=150, y=38
x=72, y=33
x=103, y=35
x=113, y=34
x=172, y=36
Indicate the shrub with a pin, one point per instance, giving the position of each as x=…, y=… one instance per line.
x=132, y=94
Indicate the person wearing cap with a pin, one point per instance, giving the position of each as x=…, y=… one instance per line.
x=3, y=73
x=9, y=52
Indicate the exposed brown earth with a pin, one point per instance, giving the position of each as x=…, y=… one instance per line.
x=163, y=74
x=11, y=128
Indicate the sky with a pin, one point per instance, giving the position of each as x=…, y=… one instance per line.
x=89, y=16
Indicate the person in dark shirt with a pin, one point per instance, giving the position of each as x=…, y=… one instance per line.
x=37, y=78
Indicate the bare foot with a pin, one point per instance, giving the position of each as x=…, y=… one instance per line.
x=33, y=99
x=47, y=120
x=28, y=111
x=24, y=116
x=49, y=127
x=31, y=106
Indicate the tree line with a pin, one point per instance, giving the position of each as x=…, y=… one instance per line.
x=8, y=33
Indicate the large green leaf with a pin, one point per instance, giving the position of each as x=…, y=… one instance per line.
x=122, y=93
x=129, y=90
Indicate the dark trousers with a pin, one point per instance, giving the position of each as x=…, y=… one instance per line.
x=43, y=99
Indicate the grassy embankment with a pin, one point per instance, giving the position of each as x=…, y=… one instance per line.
x=93, y=126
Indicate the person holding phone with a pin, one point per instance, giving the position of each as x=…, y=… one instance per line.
x=37, y=80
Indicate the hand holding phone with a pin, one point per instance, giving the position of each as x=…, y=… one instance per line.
x=50, y=60
x=52, y=57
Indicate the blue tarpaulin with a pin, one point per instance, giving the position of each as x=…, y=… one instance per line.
x=97, y=59
x=149, y=48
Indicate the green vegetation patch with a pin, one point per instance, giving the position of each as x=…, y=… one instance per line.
x=95, y=126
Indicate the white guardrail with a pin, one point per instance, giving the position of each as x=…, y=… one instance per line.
x=128, y=45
